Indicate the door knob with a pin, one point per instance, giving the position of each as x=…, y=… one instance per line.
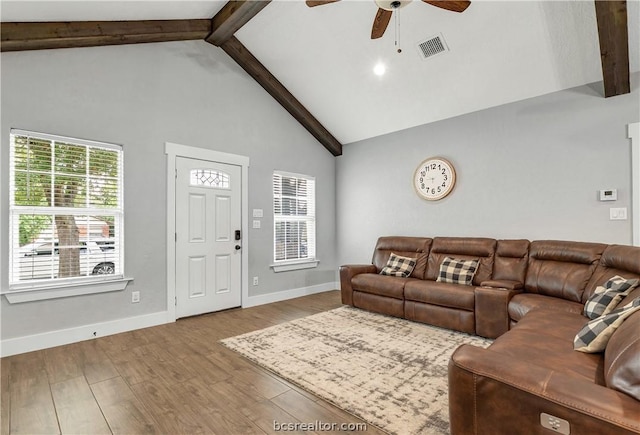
x=238, y=247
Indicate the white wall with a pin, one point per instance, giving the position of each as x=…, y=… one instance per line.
x=529, y=169
x=142, y=96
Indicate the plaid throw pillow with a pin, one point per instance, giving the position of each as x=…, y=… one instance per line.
x=594, y=336
x=607, y=296
x=456, y=271
x=398, y=266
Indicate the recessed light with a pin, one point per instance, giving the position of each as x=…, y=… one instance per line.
x=379, y=69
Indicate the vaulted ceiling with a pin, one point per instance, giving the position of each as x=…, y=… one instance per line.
x=318, y=62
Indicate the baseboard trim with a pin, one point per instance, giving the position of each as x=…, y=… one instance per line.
x=45, y=340
x=253, y=301
x=14, y=346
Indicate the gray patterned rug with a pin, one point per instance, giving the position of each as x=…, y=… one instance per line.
x=389, y=372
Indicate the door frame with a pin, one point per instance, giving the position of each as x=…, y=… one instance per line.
x=174, y=151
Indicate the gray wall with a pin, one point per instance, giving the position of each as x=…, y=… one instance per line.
x=529, y=169
x=142, y=96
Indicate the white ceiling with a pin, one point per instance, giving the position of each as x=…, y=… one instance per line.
x=500, y=52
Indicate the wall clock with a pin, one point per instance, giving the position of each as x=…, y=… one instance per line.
x=434, y=178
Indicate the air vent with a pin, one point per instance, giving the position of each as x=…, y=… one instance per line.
x=432, y=46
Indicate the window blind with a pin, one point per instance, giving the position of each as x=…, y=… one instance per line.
x=294, y=212
x=66, y=209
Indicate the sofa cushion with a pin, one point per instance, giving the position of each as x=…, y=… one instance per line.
x=606, y=297
x=455, y=271
x=413, y=247
x=561, y=269
x=544, y=338
x=523, y=303
x=398, y=266
x=441, y=294
x=549, y=322
x=622, y=357
x=390, y=286
x=594, y=336
x=464, y=248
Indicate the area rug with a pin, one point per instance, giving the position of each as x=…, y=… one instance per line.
x=389, y=372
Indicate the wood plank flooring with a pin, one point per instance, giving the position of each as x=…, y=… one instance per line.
x=169, y=379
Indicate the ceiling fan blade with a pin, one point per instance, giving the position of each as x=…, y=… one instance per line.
x=380, y=23
x=312, y=3
x=455, y=6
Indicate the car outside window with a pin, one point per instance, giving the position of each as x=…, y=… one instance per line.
x=66, y=210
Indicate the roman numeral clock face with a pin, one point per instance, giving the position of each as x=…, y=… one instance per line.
x=434, y=178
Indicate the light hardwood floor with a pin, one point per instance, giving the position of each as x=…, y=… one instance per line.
x=169, y=379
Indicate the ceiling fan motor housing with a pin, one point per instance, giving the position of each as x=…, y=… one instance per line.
x=392, y=5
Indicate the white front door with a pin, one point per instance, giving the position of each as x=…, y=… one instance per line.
x=208, y=238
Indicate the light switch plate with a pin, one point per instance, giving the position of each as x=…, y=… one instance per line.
x=256, y=224
x=258, y=213
x=618, y=214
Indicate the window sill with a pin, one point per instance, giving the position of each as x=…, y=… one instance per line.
x=285, y=267
x=62, y=291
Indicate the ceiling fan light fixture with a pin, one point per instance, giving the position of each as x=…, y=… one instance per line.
x=392, y=5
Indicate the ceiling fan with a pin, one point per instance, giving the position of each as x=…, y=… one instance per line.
x=386, y=8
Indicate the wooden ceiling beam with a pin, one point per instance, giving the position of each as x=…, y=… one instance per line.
x=232, y=17
x=614, y=46
x=260, y=74
x=218, y=31
x=45, y=35
x=229, y=20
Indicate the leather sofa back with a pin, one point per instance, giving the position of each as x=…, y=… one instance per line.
x=463, y=248
x=414, y=247
x=511, y=259
x=621, y=368
x=616, y=260
x=561, y=269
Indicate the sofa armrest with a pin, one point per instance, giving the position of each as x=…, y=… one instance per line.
x=492, y=310
x=347, y=272
x=494, y=393
x=503, y=283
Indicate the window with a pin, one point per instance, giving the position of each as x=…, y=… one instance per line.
x=294, y=213
x=209, y=178
x=65, y=211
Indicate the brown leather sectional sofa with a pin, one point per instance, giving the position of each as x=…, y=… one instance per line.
x=530, y=297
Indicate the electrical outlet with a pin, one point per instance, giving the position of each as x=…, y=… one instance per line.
x=255, y=280
x=135, y=297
